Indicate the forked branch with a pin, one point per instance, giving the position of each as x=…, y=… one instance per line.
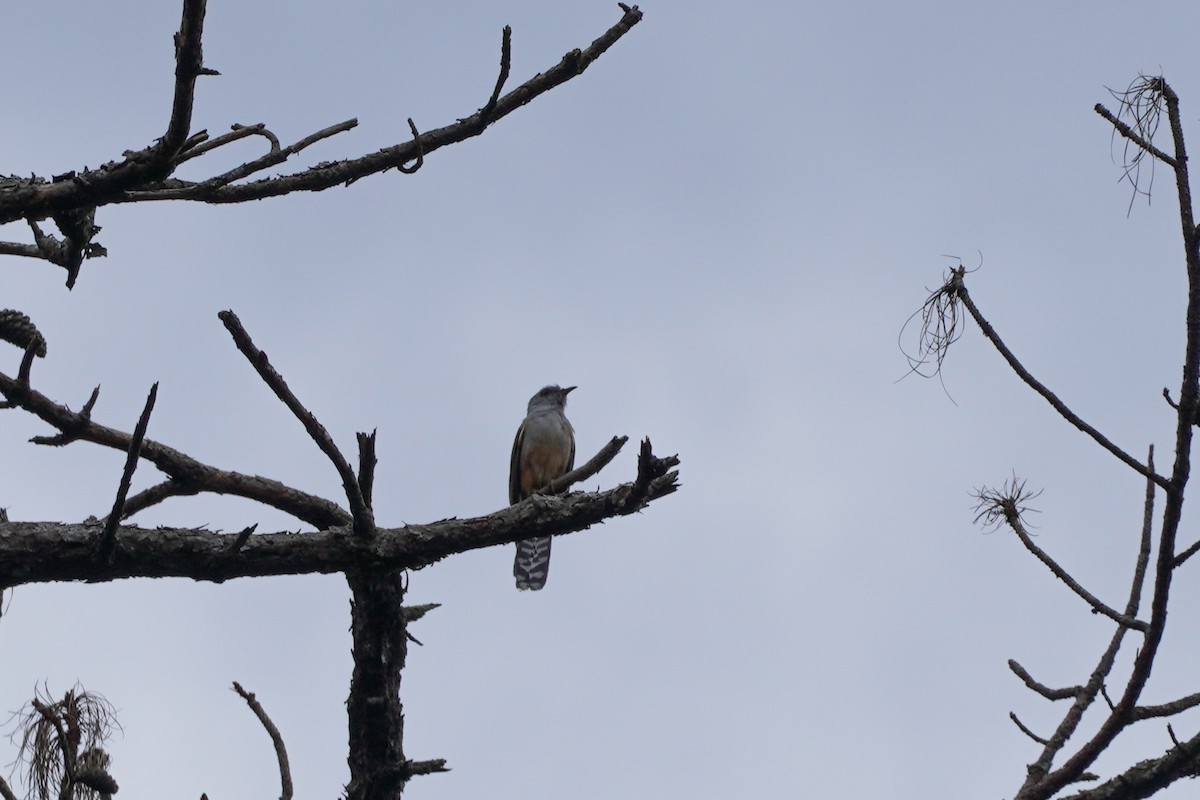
x=72, y=198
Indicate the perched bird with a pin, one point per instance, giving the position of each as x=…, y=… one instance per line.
x=544, y=450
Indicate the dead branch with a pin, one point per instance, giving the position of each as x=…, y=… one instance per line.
x=1141, y=102
x=1045, y=691
x=364, y=518
x=1024, y=729
x=1058, y=405
x=1037, y=773
x=1008, y=504
x=1148, y=777
x=593, y=466
x=1167, y=709
x=188, y=476
x=144, y=175
x=366, y=466
x=285, y=771
x=108, y=539
x=37, y=552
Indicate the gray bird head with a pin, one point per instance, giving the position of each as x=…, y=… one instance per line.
x=550, y=397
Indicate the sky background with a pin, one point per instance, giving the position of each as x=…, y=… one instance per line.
x=717, y=233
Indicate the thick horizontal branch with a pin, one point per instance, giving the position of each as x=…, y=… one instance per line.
x=40, y=552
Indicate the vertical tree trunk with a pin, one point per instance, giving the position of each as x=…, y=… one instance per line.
x=378, y=769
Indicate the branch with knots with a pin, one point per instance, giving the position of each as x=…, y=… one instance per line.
x=71, y=199
x=347, y=538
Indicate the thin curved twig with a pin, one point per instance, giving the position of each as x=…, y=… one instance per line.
x=285, y=771
x=1045, y=691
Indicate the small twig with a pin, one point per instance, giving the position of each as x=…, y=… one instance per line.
x=108, y=539
x=276, y=156
x=172, y=487
x=285, y=772
x=592, y=467
x=1025, y=730
x=426, y=767
x=240, y=540
x=1144, y=545
x=237, y=133
x=1186, y=554
x=505, y=66
x=414, y=613
x=366, y=466
x=364, y=521
x=26, y=365
x=5, y=792
x=1167, y=709
x=420, y=162
x=1045, y=691
x=1132, y=136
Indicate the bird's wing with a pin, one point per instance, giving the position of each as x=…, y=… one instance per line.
x=514, y=468
x=570, y=458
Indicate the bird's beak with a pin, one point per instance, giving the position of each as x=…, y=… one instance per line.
x=569, y=389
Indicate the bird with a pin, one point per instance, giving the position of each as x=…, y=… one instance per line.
x=543, y=450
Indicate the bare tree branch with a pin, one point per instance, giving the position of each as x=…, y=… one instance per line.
x=1045, y=691
x=1058, y=405
x=285, y=772
x=1167, y=709
x=1007, y=503
x=1134, y=137
x=1148, y=777
x=364, y=519
x=71, y=199
x=1037, y=786
x=35, y=552
x=1016, y=720
x=189, y=475
x=593, y=466
x=108, y=539
x=1038, y=771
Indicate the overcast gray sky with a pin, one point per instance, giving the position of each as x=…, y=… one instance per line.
x=717, y=233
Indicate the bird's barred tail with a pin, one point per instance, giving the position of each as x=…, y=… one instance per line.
x=532, y=563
